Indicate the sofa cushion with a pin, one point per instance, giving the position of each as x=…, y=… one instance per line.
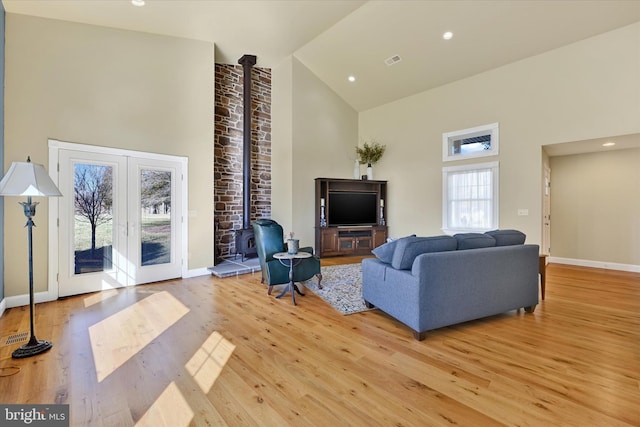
x=474, y=241
x=385, y=252
x=409, y=248
x=507, y=237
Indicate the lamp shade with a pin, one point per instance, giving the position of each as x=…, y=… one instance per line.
x=28, y=179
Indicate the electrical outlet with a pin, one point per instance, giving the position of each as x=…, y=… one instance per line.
x=523, y=212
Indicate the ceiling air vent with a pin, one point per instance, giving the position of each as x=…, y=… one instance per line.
x=392, y=60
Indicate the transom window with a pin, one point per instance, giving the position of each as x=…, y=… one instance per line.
x=470, y=198
x=471, y=145
x=467, y=143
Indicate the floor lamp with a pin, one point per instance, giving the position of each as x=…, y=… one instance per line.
x=29, y=179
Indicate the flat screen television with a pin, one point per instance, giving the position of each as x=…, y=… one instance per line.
x=352, y=208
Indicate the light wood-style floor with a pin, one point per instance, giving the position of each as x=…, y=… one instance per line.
x=210, y=352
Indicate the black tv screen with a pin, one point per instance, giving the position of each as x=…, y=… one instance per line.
x=352, y=208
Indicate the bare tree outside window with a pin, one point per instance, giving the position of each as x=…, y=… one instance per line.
x=156, y=191
x=93, y=189
x=93, y=204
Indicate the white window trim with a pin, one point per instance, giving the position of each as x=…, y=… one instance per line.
x=495, y=167
x=449, y=137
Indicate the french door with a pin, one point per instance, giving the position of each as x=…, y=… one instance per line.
x=120, y=220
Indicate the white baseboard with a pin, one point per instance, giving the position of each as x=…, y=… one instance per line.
x=3, y=306
x=197, y=272
x=19, y=300
x=596, y=264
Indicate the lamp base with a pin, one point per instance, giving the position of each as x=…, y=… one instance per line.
x=33, y=347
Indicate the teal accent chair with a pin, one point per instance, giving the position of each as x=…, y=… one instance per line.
x=269, y=240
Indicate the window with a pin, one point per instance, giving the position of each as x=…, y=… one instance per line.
x=470, y=197
x=468, y=143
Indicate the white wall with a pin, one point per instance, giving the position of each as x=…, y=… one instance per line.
x=324, y=134
x=595, y=207
x=282, y=143
x=586, y=90
x=114, y=88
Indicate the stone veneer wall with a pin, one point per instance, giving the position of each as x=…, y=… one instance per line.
x=228, y=152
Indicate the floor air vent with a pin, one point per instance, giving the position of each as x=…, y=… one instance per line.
x=14, y=339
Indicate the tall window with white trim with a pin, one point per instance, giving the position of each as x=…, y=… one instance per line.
x=470, y=197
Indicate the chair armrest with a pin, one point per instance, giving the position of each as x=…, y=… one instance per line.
x=307, y=249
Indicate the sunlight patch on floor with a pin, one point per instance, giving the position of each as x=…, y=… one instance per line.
x=99, y=297
x=206, y=364
x=169, y=410
x=119, y=337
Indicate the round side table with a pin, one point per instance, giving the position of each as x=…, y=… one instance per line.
x=291, y=260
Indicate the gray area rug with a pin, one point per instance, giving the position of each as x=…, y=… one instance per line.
x=341, y=287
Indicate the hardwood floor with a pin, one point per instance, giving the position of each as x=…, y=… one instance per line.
x=208, y=351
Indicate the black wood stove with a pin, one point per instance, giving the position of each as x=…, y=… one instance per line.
x=244, y=237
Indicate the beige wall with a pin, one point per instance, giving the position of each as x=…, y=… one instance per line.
x=282, y=143
x=324, y=133
x=112, y=88
x=595, y=207
x=586, y=90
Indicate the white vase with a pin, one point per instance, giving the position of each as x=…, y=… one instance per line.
x=369, y=172
x=356, y=170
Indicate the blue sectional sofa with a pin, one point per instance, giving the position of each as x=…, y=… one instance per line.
x=432, y=282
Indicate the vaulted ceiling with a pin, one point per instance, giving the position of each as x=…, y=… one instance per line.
x=338, y=39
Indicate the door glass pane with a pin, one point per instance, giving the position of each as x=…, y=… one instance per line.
x=155, y=201
x=93, y=224
x=346, y=244
x=364, y=243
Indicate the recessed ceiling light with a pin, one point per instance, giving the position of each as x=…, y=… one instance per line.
x=351, y=79
x=608, y=144
x=138, y=3
x=448, y=35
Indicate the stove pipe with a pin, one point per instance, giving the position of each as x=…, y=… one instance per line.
x=247, y=61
